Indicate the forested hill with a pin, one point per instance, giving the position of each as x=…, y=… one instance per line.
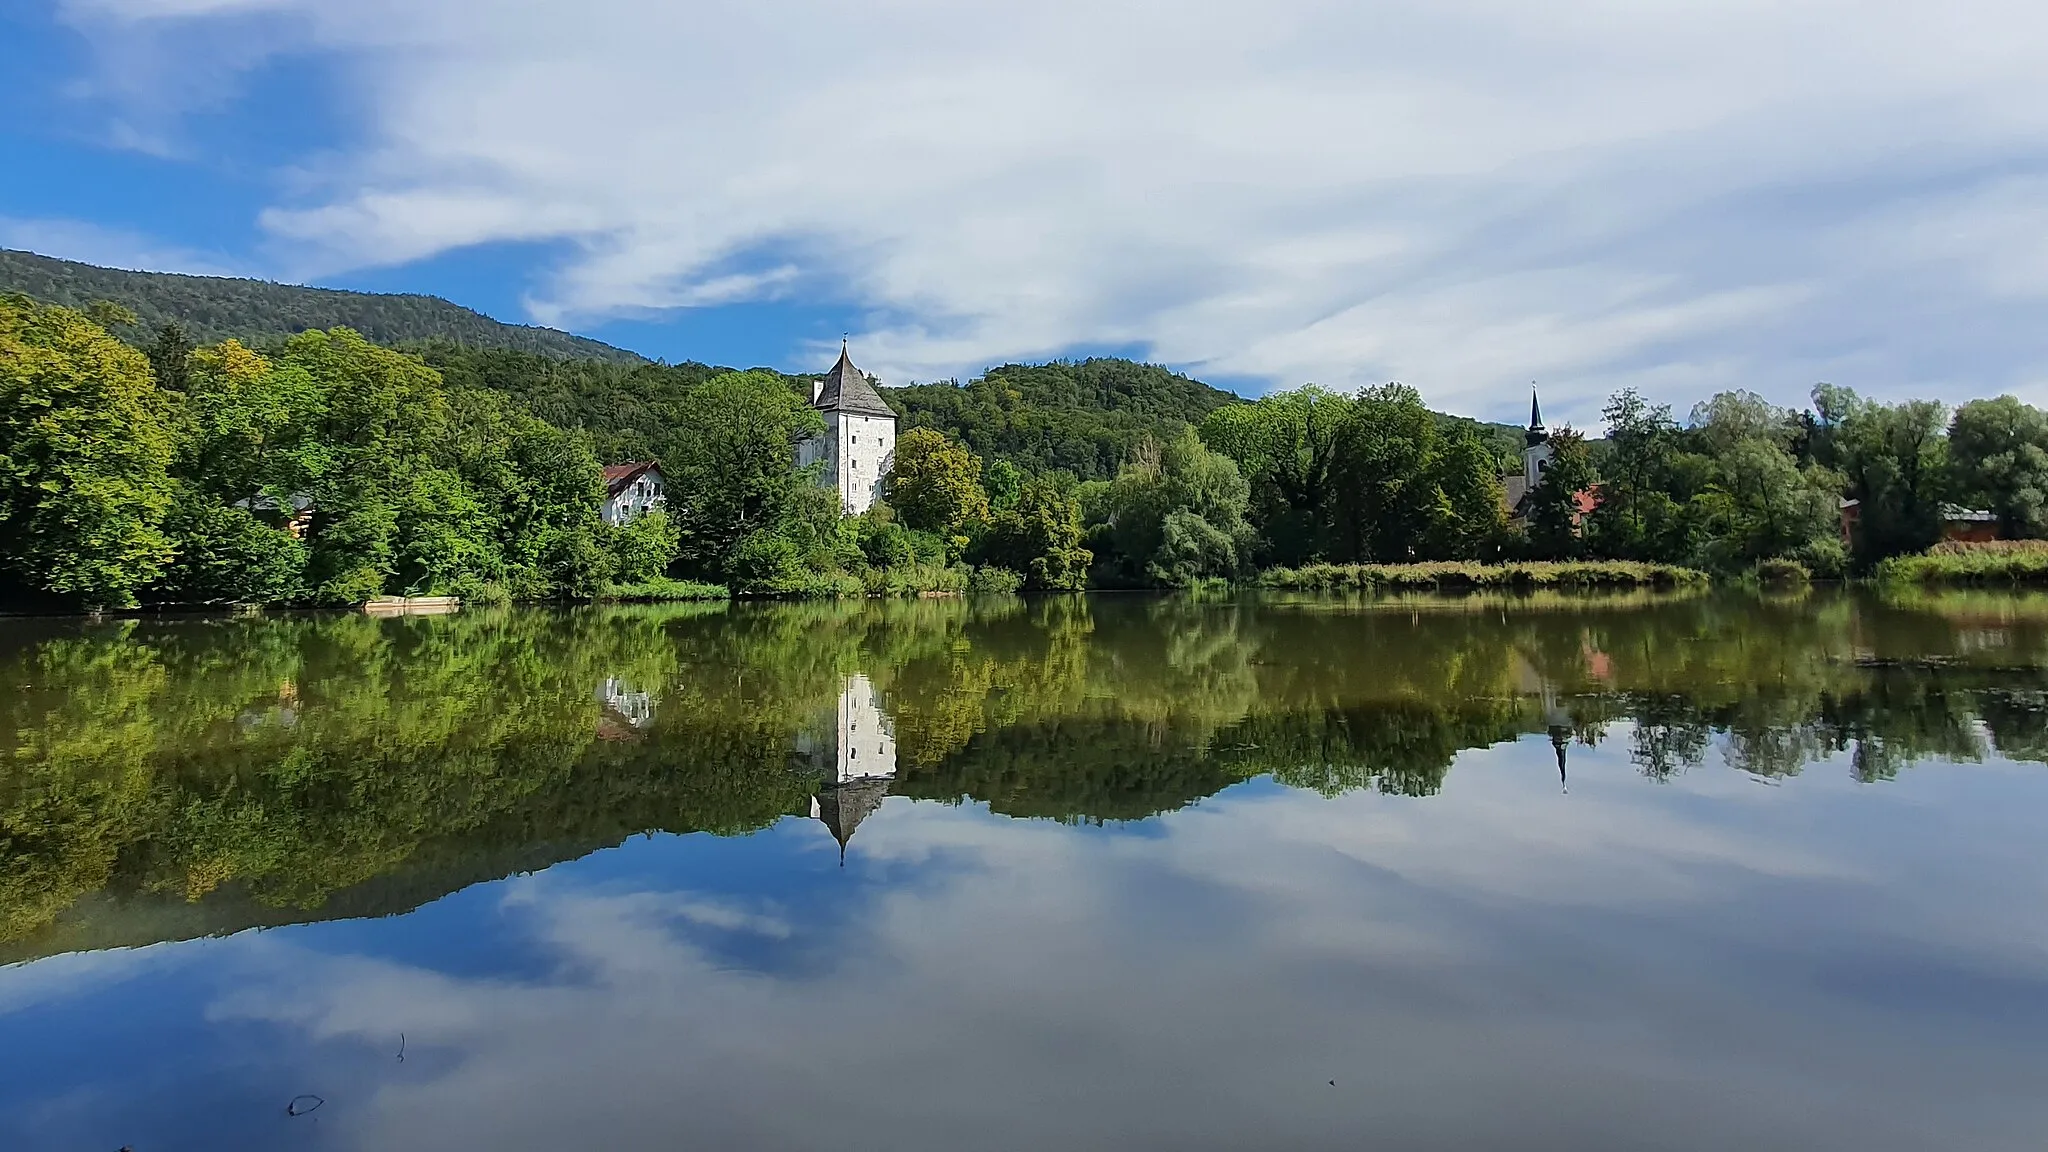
x=212, y=308
x=1080, y=417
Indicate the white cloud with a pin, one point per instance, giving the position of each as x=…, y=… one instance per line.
x=1465, y=194
x=112, y=247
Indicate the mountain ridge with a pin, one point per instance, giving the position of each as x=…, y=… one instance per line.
x=214, y=308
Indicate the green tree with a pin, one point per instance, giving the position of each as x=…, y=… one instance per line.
x=642, y=548
x=1894, y=461
x=1174, y=515
x=1998, y=457
x=390, y=515
x=935, y=484
x=1468, y=512
x=1287, y=447
x=1385, y=491
x=170, y=357
x=227, y=554
x=538, y=489
x=733, y=472
x=1641, y=439
x=84, y=480
x=1005, y=482
x=1554, y=505
x=1041, y=538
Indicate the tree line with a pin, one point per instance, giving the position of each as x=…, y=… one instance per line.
x=328, y=469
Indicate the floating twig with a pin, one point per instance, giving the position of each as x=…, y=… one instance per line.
x=293, y=1108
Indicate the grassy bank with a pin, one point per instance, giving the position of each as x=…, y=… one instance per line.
x=648, y=591
x=1463, y=575
x=1995, y=562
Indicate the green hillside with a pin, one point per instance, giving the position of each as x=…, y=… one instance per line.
x=1082, y=416
x=212, y=308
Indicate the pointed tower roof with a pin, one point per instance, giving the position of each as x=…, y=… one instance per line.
x=1535, y=410
x=843, y=807
x=846, y=389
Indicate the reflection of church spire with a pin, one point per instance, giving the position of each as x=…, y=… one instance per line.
x=857, y=761
x=1559, y=723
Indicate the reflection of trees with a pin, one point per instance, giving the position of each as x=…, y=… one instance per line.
x=255, y=770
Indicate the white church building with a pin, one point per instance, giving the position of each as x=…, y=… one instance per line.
x=859, y=443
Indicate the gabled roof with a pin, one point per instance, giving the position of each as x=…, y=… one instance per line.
x=617, y=476
x=846, y=389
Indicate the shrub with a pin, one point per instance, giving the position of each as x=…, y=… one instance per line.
x=1781, y=570
x=993, y=580
x=663, y=588
x=1459, y=575
x=1997, y=562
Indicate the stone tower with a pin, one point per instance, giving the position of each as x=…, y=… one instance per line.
x=859, y=443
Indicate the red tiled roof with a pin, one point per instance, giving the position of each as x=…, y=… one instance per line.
x=617, y=476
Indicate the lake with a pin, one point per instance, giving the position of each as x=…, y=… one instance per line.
x=1550, y=872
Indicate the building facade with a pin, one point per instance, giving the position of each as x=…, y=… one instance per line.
x=631, y=489
x=858, y=446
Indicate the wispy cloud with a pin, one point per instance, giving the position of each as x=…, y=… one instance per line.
x=112, y=247
x=1465, y=194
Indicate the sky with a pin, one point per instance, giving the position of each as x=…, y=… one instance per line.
x=1464, y=195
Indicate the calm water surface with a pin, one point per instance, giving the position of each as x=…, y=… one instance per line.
x=1709, y=873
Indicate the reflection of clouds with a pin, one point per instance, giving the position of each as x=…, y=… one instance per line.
x=1496, y=965
x=56, y=978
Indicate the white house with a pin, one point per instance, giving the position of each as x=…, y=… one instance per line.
x=858, y=446
x=630, y=489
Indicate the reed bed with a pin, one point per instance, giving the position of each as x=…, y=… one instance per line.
x=1453, y=576
x=1989, y=562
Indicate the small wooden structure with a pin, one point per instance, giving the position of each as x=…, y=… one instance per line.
x=412, y=605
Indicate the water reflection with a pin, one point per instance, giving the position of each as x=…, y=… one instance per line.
x=174, y=778
x=851, y=785
x=1282, y=843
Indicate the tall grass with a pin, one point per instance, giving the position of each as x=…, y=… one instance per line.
x=662, y=588
x=1464, y=575
x=1958, y=562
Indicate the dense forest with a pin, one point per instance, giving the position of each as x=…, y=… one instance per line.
x=257, y=312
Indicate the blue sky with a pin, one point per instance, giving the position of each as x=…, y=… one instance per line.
x=1462, y=194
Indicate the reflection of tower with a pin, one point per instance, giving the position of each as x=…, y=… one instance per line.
x=1559, y=723
x=858, y=762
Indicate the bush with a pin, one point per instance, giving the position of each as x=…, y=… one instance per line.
x=227, y=554
x=919, y=580
x=643, y=547
x=1781, y=570
x=1995, y=562
x=766, y=562
x=1459, y=575
x=476, y=592
x=993, y=580
x=663, y=588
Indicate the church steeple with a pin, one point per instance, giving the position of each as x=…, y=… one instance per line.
x=1537, y=434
